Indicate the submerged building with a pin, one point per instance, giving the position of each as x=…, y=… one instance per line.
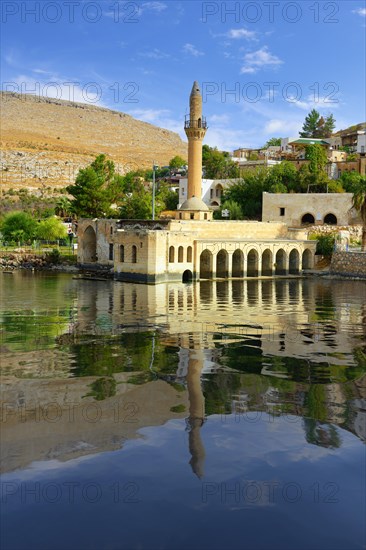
x=193, y=246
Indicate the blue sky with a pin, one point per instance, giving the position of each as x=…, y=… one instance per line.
x=262, y=66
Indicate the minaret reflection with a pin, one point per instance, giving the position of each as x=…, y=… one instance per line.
x=192, y=362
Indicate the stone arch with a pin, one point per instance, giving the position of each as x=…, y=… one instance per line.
x=214, y=203
x=280, y=262
x=134, y=254
x=187, y=276
x=89, y=245
x=307, y=219
x=180, y=254
x=189, y=254
x=330, y=219
x=252, y=259
x=206, y=264
x=267, y=262
x=238, y=263
x=171, y=254
x=294, y=262
x=307, y=259
x=222, y=264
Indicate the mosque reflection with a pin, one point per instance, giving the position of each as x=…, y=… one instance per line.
x=271, y=347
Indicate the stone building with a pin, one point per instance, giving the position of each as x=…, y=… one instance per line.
x=193, y=246
x=296, y=209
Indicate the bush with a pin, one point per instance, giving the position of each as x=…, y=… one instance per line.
x=325, y=244
x=53, y=257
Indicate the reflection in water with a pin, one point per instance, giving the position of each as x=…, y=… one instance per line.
x=276, y=346
x=259, y=382
x=196, y=412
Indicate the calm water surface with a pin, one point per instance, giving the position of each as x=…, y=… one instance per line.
x=220, y=415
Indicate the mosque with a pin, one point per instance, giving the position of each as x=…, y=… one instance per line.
x=193, y=246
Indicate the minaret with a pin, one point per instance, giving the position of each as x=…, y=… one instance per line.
x=193, y=208
x=195, y=127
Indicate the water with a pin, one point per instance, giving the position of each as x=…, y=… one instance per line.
x=215, y=415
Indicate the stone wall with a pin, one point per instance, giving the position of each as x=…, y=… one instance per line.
x=349, y=264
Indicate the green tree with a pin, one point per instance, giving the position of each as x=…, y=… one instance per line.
x=350, y=180
x=18, y=227
x=359, y=204
x=273, y=142
x=177, y=162
x=51, y=229
x=138, y=206
x=96, y=188
x=283, y=177
x=167, y=196
x=235, y=211
x=217, y=164
x=247, y=193
x=63, y=207
x=315, y=126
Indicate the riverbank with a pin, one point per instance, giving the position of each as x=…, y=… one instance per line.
x=10, y=261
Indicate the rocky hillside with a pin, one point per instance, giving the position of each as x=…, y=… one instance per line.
x=45, y=141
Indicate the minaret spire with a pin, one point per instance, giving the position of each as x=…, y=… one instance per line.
x=195, y=127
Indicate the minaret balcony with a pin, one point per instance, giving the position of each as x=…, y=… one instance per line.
x=195, y=123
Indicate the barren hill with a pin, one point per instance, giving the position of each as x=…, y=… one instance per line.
x=45, y=141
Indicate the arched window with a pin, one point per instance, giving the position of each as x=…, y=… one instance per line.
x=180, y=254
x=307, y=218
x=122, y=253
x=189, y=254
x=134, y=254
x=330, y=219
x=171, y=254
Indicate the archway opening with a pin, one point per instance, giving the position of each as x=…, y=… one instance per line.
x=171, y=254
x=206, y=262
x=267, y=263
x=180, y=254
x=222, y=264
x=281, y=262
x=187, y=276
x=330, y=219
x=294, y=262
x=307, y=219
x=252, y=269
x=307, y=259
x=89, y=243
x=238, y=264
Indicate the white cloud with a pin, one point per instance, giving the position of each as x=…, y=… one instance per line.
x=155, y=54
x=241, y=33
x=192, y=50
x=154, y=6
x=259, y=59
x=249, y=70
x=282, y=126
x=322, y=102
x=360, y=11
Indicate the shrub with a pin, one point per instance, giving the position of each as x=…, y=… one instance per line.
x=325, y=244
x=53, y=257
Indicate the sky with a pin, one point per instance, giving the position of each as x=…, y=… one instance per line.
x=261, y=66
